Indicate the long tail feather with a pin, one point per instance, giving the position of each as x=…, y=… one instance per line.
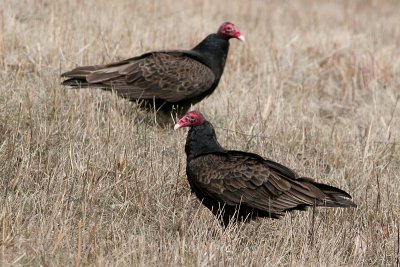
x=336, y=197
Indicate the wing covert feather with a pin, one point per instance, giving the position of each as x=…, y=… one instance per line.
x=170, y=75
x=239, y=178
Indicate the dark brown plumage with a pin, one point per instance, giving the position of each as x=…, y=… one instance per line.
x=169, y=79
x=241, y=186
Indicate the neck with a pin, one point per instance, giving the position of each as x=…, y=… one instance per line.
x=202, y=140
x=213, y=51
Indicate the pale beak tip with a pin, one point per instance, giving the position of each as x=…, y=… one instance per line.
x=177, y=126
x=241, y=38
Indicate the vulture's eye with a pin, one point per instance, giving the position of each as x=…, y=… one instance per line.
x=229, y=29
x=189, y=119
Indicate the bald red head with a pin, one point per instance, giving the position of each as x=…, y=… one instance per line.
x=191, y=119
x=229, y=30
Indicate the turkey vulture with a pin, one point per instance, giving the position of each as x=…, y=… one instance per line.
x=173, y=79
x=237, y=185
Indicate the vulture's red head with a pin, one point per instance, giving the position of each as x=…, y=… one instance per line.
x=229, y=30
x=191, y=119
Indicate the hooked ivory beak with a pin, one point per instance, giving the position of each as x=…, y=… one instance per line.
x=241, y=38
x=177, y=126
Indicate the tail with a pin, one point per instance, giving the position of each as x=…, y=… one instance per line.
x=333, y=196
x=78, y=77
x=74, y=82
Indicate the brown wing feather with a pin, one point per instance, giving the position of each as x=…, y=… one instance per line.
x=239, y=178
x=171, y=76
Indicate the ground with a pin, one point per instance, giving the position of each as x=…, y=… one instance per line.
x=89, y=179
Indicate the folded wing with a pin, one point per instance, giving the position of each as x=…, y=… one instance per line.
x=170, y=76
x=239, y=178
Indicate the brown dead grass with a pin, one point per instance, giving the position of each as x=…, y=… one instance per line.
x=88, y=179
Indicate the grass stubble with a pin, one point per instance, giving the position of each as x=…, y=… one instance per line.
x=89, y=179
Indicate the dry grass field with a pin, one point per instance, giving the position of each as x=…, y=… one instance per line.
x=89, y=179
